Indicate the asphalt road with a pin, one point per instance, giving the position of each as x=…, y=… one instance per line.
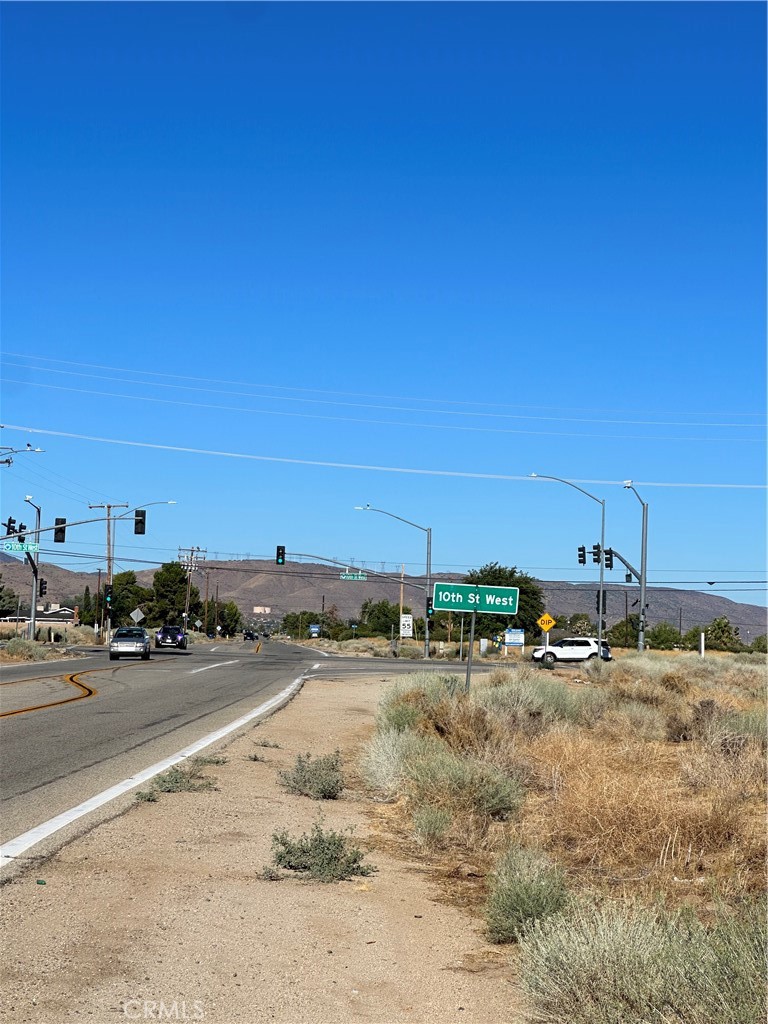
x=71, y=729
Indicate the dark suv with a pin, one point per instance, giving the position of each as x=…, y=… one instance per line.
x=248, y=634
x=171, y=636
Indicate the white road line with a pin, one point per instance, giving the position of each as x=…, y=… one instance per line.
x=217, y=665
x=15, y=847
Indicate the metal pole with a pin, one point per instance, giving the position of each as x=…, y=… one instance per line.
x=471, y=647
x=643, y=570
x=461, y=640
x=429, y=592
x=602, y=578
x=35, y=560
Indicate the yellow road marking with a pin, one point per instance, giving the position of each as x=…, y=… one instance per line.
x=86, y=691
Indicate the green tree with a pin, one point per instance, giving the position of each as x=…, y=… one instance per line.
x=530, y=605
x=379, y=618
x=625, y=632
x=579, y=624
x=9, y=602
x=760, y=644
x=170, y=595
x=230, y=619
x=663, y=637
x=127, y=595
x=720, y=635
x=691, y=638
x=85, y=604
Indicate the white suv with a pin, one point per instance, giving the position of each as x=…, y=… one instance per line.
x=572, y=648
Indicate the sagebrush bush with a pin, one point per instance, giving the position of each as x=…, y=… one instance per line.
x=383, y=763
x=619, y=965
x=463, y=785
x=319, y=778
x=430, y=824
x=323, y=854
x=525, y=886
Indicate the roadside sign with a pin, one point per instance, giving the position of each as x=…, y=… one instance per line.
x=353, y=576
x=137, y=615
x=314, y=629
x=467, y=597
x=198, y=623
x=16, y=545
x=546, y=622
x=514, y=638
x=406, y=625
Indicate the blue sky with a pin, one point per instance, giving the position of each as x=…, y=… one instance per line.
x=302, y=257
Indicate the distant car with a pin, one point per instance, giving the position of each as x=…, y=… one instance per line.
x=129, y=642
x=171, y=636
x=248, y=634
x=574, y=648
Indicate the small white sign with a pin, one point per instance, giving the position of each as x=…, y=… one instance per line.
x=198, y=623
x=406, y=625
x=514, y=638
x=137, y=615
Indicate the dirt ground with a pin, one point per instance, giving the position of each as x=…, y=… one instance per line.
x=161, y=913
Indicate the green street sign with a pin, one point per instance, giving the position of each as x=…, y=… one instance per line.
x=353, y=576
x=16, y=545
x=466, y=597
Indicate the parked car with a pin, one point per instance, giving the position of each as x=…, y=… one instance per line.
x=572, y=648
x=171, y=636
x=129, y=641
x=248, y=634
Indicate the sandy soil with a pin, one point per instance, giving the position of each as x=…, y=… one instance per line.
x=161, y=913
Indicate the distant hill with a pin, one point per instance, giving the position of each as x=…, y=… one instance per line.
x=296, y=587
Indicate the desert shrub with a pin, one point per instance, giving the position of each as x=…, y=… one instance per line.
x=630, y=718
x=187, y=778
x=524, y=887
x=384, y=759
x=23, y=650
x=610, y=964
x=462, y=785
x=430, y=824
x=406, y=704
x=317, y=777
x=533, y=703
x=323, y=854
x=733, y=762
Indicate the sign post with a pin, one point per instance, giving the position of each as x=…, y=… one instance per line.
x=546, y=622
x=470, y=597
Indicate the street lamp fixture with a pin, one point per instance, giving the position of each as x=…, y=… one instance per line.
x=428, y=531
x=601, y=503
x=629, y=486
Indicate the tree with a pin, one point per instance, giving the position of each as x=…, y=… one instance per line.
x=380, y=618
x=691, y=638
x=170, y=596
x=663, y=637
x=85, y=604
x=625, y=632
x=760, y=644
x=530, y=605
x=720, y=635
x=128, y=595
x=579, y=624
x=230, y=619
x=9, y=602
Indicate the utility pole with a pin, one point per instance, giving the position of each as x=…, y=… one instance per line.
x=189, y=558
x=110, y=553
x=34, y=561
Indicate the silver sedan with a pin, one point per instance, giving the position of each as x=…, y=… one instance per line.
x=129, y=642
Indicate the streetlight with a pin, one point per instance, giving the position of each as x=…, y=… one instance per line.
x=601, y=503
x=428, y=531
x=628, y=486
x=35, y=562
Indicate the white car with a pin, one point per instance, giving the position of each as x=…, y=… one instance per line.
x=129, y=641
x=572, y=648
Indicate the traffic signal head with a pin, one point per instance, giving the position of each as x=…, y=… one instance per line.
x=21, y=532
x=140, y=521
x=280, y=555
x=60, y=533
x=108, y=594
x=597, y=602
x=10, y=526
x=596, y=552
x=42, y=588
x=582, y=555
x=430, y=609
x=609, y=559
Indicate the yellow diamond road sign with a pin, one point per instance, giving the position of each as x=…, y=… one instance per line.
x=546, y=622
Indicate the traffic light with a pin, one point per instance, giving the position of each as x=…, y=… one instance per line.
x=60, y=533
x=430, y=609
x=582, y=555
x=10, y=527
x=596, y=551
x=140, y=521
x=597, y=602
x=108, y=594
x=42, y=588
x=609, y=558
x=21, y=532
x=280, y=555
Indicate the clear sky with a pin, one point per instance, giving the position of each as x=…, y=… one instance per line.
x=272, y=261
